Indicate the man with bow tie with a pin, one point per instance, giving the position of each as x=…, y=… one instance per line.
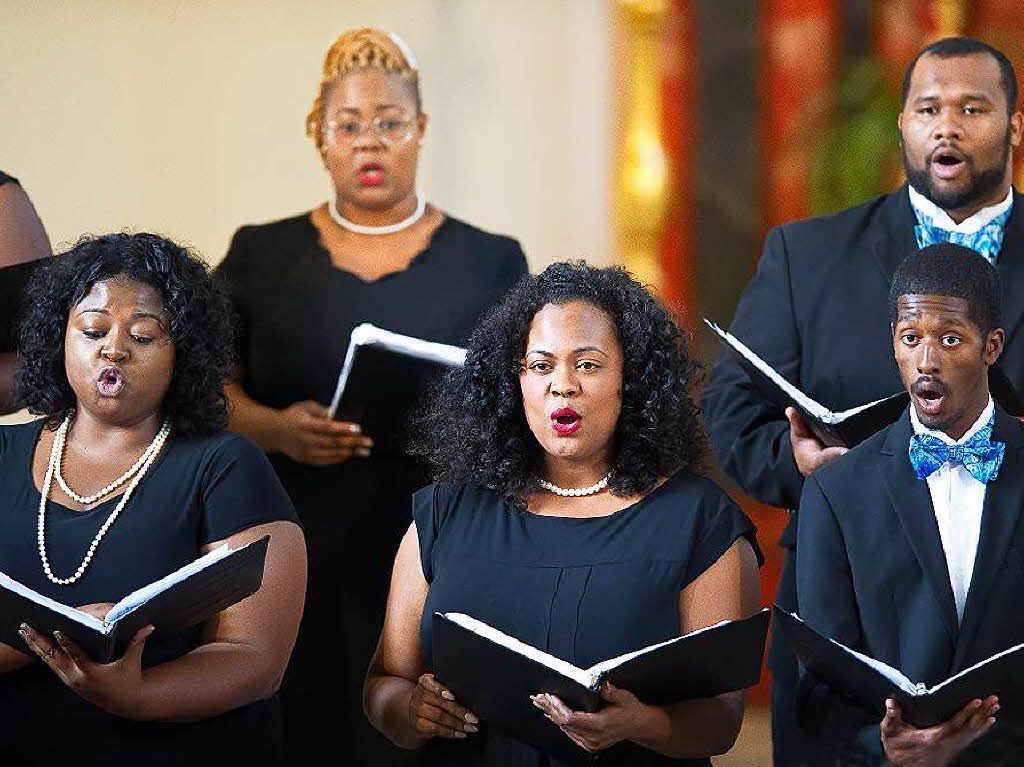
x=816, y=308
x=912, y=546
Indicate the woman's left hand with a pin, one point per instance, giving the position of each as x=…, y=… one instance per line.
x=116, y=687
x=622, y=718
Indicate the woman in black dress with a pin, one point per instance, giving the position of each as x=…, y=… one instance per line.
x=567, y=513
x=23, y=241
x=376, y=252
x=126, y=478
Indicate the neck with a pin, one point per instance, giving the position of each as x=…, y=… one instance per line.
x=575, y=474
x=962, y=214
x=969, y=418
x=386, y=216
x=87, y=429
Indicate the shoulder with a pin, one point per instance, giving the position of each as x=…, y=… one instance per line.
x=17, y=438
x=856, y=469
x=687, y=487
x=848, y=220
x=496, y=252
x=223, y=450
x=258, y=242
x=441, y=501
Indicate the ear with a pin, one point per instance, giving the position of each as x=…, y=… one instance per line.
x=994, y=345
x=421, y=124
x=1016, y=128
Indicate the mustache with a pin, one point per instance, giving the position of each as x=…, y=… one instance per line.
x=928, y=383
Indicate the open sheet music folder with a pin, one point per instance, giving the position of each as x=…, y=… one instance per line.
x=382, y=380
x=178, y=601
x=871, y=681
x=849, y=427
x=493, y=674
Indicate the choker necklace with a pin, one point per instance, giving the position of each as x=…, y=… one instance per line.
x=53, y=468
x=567, y=492
x=405, y=223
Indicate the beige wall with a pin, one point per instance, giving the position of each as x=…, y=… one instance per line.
x=187, y=117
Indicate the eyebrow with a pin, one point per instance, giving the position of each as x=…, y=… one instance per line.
x=377, y=108
x=578, y=350
x=137, y=315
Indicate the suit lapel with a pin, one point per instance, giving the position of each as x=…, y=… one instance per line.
x=896, y=239
x=1010, y=264
x=1002, y=510
x=913, y=504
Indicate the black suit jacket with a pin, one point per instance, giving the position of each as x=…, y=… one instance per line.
x=872, y=574
x=817, y=311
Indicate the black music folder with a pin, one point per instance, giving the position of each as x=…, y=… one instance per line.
x=172, y=604
x=383, y=378
x=844, y=429
x=870, y=681
x=850, y=427
x=494, y=674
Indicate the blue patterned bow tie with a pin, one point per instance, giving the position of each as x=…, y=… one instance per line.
x=980, y=455
x=987, y=241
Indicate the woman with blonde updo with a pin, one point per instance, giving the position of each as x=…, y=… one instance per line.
x=377, y=252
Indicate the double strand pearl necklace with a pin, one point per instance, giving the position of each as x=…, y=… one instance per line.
x=568, y=492
x=405, y=223
x=53, y=468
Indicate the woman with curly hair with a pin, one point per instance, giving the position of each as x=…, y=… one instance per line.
x=567, y=512
x=128, y=476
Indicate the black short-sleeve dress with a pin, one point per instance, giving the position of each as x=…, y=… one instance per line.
x=297, y=312
x=199, y=491
x=582, y=589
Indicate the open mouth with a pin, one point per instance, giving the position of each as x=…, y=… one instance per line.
x=110, y=381
x=565, y=421
x=948, y=162
x=371, y=174
x=930, y=395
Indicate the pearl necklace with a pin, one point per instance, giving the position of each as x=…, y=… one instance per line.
x=87, y=500
x=56, y=452
x=405, y=223
x=568, y=492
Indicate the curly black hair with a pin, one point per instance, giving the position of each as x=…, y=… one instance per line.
x=201, y=326
x=474, y=428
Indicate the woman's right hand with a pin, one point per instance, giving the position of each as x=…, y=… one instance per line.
x=306, y=435
x=433, y=711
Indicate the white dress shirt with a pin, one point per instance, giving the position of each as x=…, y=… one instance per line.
x=969, y=225
x=958, y=499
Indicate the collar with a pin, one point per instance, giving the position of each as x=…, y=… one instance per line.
x=983, y=419
x=938, y=217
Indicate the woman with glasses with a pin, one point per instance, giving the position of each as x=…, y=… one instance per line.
x=376, y=252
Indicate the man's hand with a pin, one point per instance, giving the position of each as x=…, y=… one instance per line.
x=808, y=451
x=935, y=746
x=306, y=435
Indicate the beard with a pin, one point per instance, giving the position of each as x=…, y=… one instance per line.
x=981, y=185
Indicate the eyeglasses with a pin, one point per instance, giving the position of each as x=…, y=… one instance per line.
x=389, y=130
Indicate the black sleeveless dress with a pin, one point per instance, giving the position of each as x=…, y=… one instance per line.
x=584, y=590
x=200, y=490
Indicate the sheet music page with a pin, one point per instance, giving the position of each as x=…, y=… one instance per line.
x=816, y=409
x=139, y=597
x=585, y=678
x=69, y=612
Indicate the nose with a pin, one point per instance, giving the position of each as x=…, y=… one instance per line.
x=564, y=382
x=367, y=139
x=949, y=126
x=115, y=349
x=927, y=359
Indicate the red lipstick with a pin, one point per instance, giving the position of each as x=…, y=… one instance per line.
x=565, y=421
x=371, y=174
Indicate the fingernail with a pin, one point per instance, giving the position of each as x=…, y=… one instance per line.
x=469, y=728
x=471, y=718
x=447, y=695
x=58, y=636
x=460, y=734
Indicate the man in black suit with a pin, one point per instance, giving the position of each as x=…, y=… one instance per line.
x=911, y=546
x=816, y=308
